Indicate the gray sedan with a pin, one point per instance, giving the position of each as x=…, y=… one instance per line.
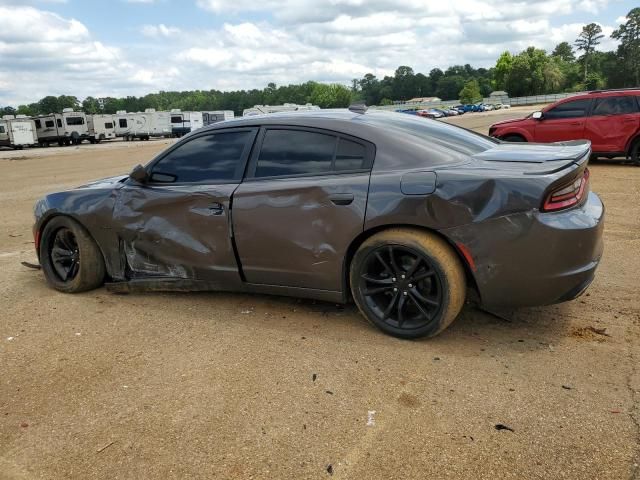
x=407, y=216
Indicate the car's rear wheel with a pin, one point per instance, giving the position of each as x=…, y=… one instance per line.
x=634, y=154
x=409, y=283
x=514, y=138
x=70, y=259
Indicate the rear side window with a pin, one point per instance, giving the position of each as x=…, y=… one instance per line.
x=205, y=159
x=350, y=155
x=108, y=126
x=176, y=119
x=295, y=152
x=572, y=109
x=122, y=122
x=615, y=106
x=49, y=123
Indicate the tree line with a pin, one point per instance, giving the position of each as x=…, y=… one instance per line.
x=569, y=67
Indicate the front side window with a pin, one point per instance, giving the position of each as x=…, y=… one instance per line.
x=122, y=122
x=571, y=109
x=295, y=152
x=206, y=159
x=75, y=121
x=615, y=106
x=49, y=123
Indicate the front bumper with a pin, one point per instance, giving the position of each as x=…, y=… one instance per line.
x=535, y=258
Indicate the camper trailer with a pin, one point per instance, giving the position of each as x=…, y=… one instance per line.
x=17, y=132
x=287, y=107
x=216, y=116
x=67, y=128
x=185, y=122
x=101, y=127
x=142, y=125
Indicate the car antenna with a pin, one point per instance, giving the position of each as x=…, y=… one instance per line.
x=358, y=108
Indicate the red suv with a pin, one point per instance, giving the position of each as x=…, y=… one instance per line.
x=610, y=119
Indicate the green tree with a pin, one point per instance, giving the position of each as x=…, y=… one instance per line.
x=564, y=51
x=553, y=75
x=7, y=111
x=90, y=105
x=470, y=93
x=49, y=104
x=331, y=96
x=587, y=42
x=629, y=50
x=502, y=70
x=449, y=87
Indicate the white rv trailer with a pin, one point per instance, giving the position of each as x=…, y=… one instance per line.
x=17, y=132
x=287, y=107
x=216, y=116
x=66, y=128
x=185, y=122
x=101, y=127
x=143, y=125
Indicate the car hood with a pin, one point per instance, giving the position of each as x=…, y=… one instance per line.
x=537, y=157
x=105, y=182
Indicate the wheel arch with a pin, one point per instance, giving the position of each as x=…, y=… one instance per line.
x=55, y=214
x=635, y=139
x=363, y=236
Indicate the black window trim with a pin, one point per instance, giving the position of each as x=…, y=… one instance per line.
x=239, y=169
x=370, y=153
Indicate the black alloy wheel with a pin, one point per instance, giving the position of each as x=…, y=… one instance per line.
x=401, y=287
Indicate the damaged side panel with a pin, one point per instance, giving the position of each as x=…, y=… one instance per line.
x=177, y=231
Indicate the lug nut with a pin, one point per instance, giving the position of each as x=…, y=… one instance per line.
x=402, y=277
x=410, y=286
x=395, y=289
x=405, y=293
x=393, y=279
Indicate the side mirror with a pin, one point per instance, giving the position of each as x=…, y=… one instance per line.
x=139, y=174
x=537, y=115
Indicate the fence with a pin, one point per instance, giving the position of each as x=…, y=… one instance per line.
x=531, y=100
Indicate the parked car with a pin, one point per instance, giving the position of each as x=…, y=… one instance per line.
x=609, y=119
x=430, y=113
x=402, y=215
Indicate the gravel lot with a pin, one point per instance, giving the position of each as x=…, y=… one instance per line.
x=242, y=386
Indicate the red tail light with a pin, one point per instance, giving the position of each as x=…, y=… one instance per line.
x=568, y=195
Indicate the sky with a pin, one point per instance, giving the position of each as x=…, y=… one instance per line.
x=133, y=47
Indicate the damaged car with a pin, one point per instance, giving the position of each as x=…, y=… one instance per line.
x=408, y=218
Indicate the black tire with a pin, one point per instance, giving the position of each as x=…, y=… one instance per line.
x=514, y=138
x=61, y=143
x=401, y=298
x=634, y=153
x=70, y=258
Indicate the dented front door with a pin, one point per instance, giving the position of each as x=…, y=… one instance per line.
x=177, y=231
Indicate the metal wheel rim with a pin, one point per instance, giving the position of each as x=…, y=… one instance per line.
x=65, y=254
x=400, y=287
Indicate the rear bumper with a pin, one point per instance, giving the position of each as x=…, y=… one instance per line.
x=535, y=258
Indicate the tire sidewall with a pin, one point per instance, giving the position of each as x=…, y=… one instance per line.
x=359, y=261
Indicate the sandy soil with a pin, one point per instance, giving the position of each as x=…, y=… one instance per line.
x=243, y=386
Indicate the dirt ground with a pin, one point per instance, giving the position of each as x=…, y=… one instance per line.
x=209, y=385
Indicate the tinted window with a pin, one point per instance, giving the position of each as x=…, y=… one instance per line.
x=122, y=122
x=176, y=119
x=75, y=121
x=38, y=124
x=572, y=109
x=615, y=106
x=350, y=155
x=295, y=152
x=2, y=129
x=59, y=122
x=209, y=159
x=48, y=123
x=108, y=126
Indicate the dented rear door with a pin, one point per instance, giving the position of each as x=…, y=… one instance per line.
x=178, y=225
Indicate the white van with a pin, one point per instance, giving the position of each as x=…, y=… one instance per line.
x=17, y=132
x=101, y=127
x=67, y=128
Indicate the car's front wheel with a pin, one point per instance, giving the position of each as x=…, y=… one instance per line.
x=514, y=138
x=70, y=259
x=409, y=283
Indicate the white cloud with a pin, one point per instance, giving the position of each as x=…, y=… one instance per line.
x=281, y=41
